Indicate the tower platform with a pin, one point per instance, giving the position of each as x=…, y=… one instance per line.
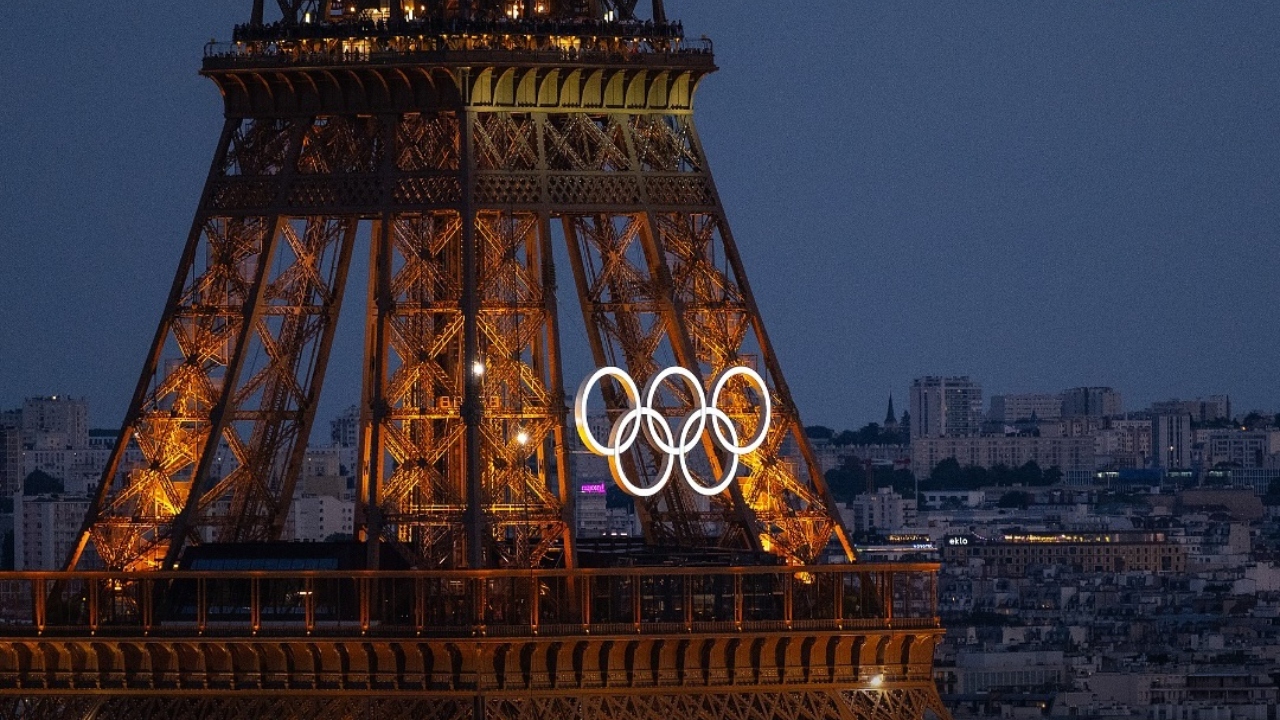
x=706, y=643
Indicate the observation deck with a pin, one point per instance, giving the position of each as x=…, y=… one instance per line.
x=464, y=631
x=425, y=65
x=454, y=42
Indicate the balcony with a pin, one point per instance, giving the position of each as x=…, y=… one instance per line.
x=464, y=604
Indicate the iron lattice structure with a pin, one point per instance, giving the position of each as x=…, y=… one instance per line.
x=782, y=705
x=470, y=157
x=471, y=143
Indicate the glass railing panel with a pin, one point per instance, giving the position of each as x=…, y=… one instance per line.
x=860, y=593
x=662, y=599
x=449, y=604
x=507, y=602
x=813, y=597
x=612, y=600
x=762, y=598
x=713, y=598
x=556, y=600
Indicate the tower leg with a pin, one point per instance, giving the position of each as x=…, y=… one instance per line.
x=217, y=432
x=666, y=280
x=463, y=392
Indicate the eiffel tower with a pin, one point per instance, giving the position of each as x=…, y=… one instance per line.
x=471, y=142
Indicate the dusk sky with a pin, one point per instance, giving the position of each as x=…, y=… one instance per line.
x=1038, y=195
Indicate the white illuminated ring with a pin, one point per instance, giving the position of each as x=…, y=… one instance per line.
x=641, y=416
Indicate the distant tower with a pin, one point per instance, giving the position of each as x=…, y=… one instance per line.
x=344, y=430
x=1171, y=440
x=1091, y=402
x=11, y=476
x=57, y=421
x=946, y=407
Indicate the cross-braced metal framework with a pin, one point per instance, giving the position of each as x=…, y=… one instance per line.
x=864, y=705
x=215, y=434
x=417, y=434
x=667, y=277
x=468, y=178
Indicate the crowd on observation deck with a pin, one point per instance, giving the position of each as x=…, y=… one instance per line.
x=279, y=31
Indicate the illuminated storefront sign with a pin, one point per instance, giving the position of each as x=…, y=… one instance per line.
x=593, y=489
x=675, y=445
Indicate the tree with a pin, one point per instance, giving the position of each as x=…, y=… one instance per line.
x=41, y=483
x=888, y=437
x=847, y=481
x=869, y=434
x=975, y=477
x=1031, y=475
x=946, y=475
x=1052, y=476
x=1015, y=499
x=1001, y=476
x=819, y=432
x=1273, y=493
x=903, y=482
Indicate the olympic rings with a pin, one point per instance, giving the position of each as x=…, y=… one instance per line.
x=641, y=417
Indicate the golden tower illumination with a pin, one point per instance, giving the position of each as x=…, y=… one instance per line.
x=474, y=141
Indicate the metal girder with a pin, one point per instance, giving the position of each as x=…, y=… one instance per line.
x=650, y=282
x=653, y=279
x=463, y=418
x=217, y=428
x=439, y=390
x=464, y=412
x=881, y=704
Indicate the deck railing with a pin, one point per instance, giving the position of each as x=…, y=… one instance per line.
x=650, y=600
x=337, y=46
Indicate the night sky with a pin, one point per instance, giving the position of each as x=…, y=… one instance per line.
x=1039, y=195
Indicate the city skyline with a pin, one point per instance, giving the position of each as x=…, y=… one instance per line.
x=1040, y=198
x=989, y=412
